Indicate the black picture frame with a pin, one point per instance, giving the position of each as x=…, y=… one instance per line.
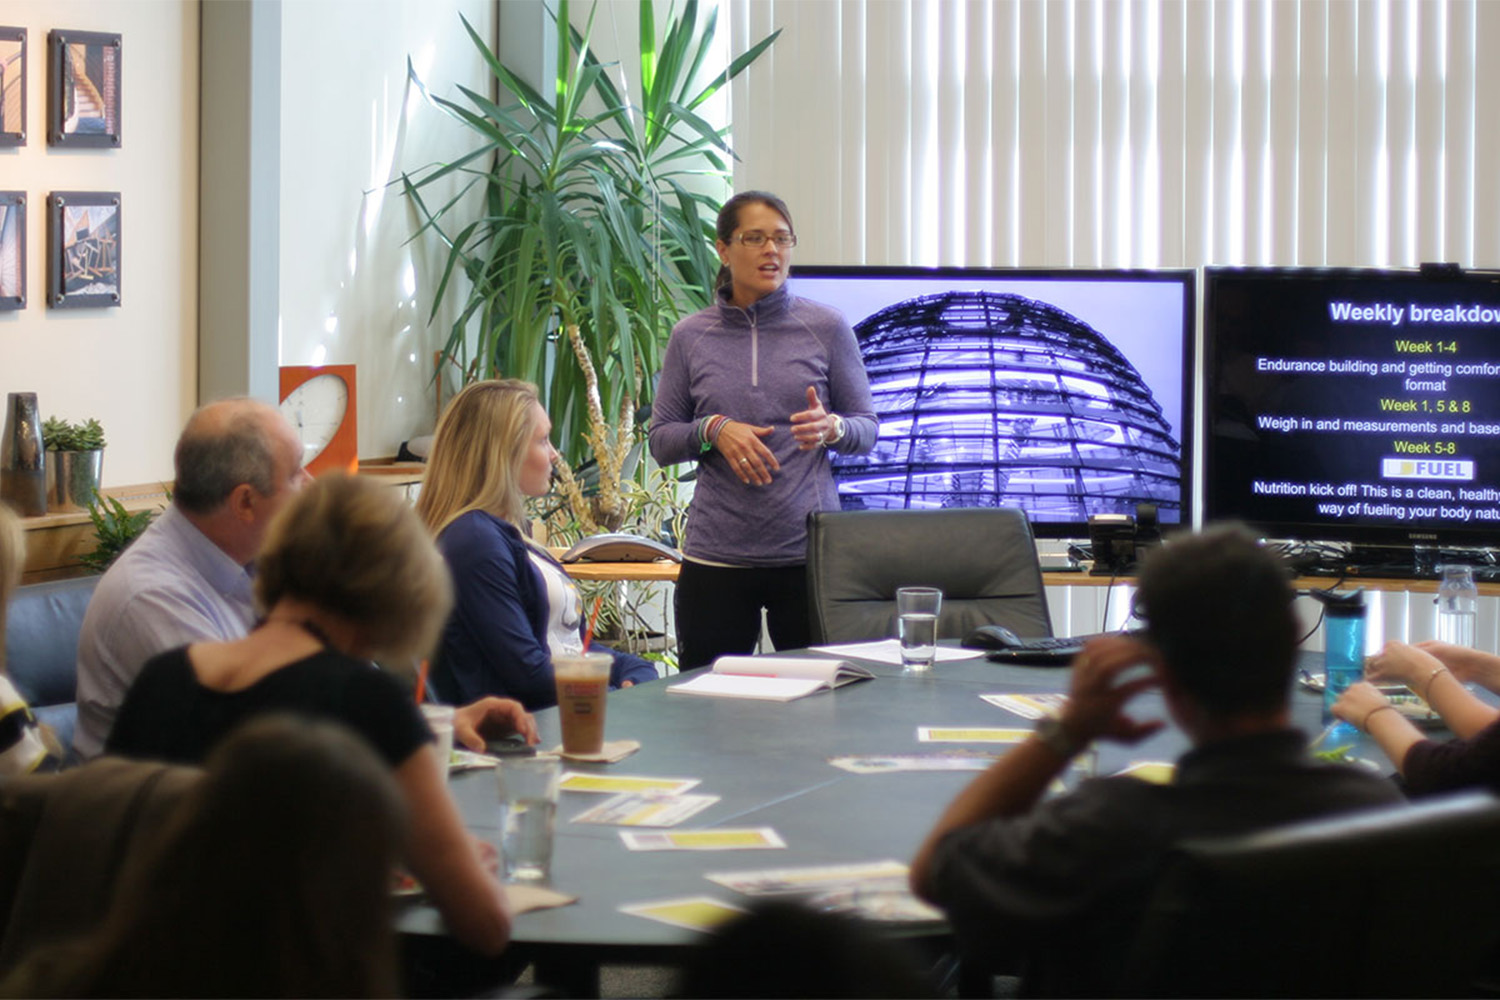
x=12, y=250
x=83, y=89
x=12, y=86
x=83, y=249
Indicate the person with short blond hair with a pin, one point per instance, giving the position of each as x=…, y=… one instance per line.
x=515, y=605
x=348, y=574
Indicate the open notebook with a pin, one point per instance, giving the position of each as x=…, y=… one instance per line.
x=771, y=678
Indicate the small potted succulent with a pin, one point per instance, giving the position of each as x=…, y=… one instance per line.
x=75, y=462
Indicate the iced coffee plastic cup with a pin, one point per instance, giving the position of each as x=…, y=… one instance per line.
x=582, y=684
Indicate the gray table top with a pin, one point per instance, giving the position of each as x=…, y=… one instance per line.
x=769, y=763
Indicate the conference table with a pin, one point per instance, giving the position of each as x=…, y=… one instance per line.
x=769, y=763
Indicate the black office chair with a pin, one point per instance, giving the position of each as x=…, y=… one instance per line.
x=1399, y=902
x=982, y=558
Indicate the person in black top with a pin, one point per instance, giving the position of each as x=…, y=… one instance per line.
x=347, y=573
x=1059, y=884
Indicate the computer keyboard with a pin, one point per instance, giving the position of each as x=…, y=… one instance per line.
x=1044, y=651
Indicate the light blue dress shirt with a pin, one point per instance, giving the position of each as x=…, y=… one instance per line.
x=170, y=588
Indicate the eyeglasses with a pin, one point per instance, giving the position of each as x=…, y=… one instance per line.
x=756, y=238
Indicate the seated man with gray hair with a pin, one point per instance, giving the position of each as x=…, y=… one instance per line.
x=187, y=578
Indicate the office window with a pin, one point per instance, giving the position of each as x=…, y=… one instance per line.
x=1114, y=133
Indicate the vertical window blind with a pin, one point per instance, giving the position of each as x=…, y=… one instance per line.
x=1126, y=133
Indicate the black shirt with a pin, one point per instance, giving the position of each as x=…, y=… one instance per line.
x=168, y=715
x=1060, y=888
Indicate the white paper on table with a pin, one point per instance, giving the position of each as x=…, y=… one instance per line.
x=811, y=878
x=889, y=651
x=718, y=839
x=892, y=763
x=646, y=809
x=1028, y=706
x=753, y=688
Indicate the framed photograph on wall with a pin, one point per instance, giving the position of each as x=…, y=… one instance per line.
x=12, y=86
x=12, y=250
x=83, y=88
x=83, y=249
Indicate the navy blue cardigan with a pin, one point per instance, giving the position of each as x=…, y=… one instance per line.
x=496, y=639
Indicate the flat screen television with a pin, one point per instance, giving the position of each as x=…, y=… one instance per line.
x=1065, y=393
x=1358, y=406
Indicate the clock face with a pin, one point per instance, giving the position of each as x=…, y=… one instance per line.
x=316, y=409
x=319, y=402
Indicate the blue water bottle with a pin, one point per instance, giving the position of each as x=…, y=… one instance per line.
x=1343, y=656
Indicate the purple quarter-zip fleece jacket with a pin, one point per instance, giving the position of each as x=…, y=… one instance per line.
x=754, y=365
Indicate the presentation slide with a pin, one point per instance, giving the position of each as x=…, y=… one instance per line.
x=1362, y=400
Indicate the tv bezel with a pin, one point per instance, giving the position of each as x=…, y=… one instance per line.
x=1393, y=536
x=1185, y=277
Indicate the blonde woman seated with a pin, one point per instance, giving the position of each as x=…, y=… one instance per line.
x=1437, y=673
x=347, y=574
x=514, y=604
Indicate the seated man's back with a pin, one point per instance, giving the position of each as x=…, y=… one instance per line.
x=1054, y=888
x=1064, y=885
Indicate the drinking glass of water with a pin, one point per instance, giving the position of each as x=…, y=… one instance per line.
x=917, y=610
x=1458, y=605
x=528, y=814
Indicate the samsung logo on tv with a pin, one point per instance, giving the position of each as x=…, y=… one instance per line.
x=1452, y=470
x=1421, y=536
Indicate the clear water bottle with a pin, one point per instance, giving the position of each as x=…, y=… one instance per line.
x=1343, y=656
x=1458, y=605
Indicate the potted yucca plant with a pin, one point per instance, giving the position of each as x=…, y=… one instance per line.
x=595, y=233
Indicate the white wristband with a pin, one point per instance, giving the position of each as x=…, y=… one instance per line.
x=838, y=429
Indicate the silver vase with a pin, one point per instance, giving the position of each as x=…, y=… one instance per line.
x=23, y=473
x=74, y=479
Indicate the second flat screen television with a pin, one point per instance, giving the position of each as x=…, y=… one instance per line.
x=1064, y=393
x=1354, y=405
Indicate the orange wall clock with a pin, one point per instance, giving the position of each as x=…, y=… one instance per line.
x=320, y=403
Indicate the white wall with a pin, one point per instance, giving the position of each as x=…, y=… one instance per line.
x=351, y=290
x=132, y=367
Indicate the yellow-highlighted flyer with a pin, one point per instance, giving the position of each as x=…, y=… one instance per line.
x=975, y=734
x=696, y=913
x=1158, y=772
x=648, y=809
x=613, y=784
x=738, y=839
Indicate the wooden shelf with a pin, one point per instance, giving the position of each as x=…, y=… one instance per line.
x=54, y=542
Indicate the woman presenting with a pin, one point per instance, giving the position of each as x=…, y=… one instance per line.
x=758, y=388
x=514, y=605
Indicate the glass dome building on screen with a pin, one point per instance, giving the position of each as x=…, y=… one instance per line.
x=989, y=399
